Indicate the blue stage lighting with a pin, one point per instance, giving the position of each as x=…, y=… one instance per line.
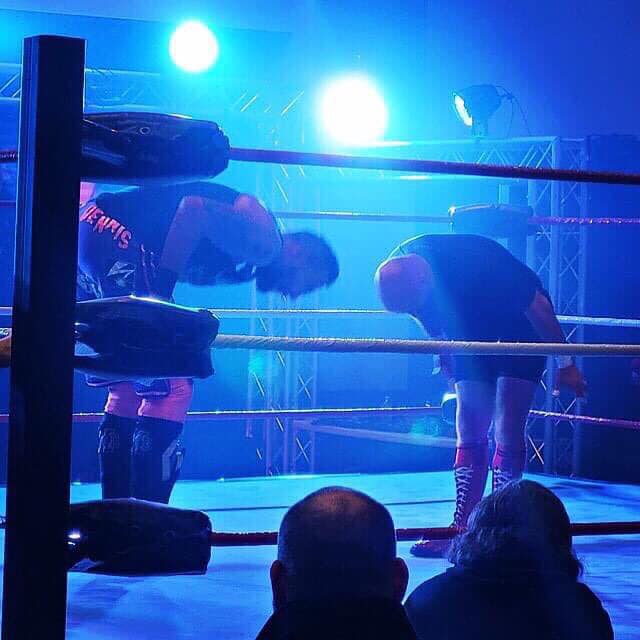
x=475, y=105
x=193, y=47
x=352, y=111
x=461, y=109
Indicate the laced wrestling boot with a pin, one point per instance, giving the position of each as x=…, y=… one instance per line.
x=506, y=466
x=470, y=472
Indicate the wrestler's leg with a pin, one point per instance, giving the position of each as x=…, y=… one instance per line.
x=513, y=402
x=115, y=437
x=475, y=409
x=157, y=452
x=474, y=412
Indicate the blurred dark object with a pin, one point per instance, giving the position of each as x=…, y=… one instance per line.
x=133, y=537
x=143, y=148
x=611, y=285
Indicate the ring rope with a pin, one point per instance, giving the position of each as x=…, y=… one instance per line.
x=411, y=166
x=395, y=217
x=285, y=314
x=260, y=414
x=428, y=166
x=602, y=422
x=555, y=220
x=433, y=347
x=264, y=538
x=360, y=412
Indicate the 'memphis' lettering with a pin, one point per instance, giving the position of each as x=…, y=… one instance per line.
x=102, y=222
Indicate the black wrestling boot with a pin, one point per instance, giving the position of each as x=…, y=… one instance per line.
x=115, y=437
x=156, y=458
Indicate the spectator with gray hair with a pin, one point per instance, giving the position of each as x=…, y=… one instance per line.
x=515, y=575
x=337, y=574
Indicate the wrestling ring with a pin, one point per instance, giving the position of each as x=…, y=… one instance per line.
x=32, y=297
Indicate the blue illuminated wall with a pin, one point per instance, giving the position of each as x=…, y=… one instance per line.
x=572, y=65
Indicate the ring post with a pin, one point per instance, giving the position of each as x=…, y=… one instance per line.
x=35, y=570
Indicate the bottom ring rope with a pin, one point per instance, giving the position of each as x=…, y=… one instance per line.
x=265, y=538
x=313, y=414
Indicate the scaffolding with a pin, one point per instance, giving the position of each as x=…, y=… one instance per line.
x=275, y=117
x=556, y=253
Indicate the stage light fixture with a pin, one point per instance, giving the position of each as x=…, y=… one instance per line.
x=193, y=47
x=352, y=111
x=476, y=104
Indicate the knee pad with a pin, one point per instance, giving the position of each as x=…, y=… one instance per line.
x=115, y=437
x=122, y=400
x=156, y=458
x=173, y=406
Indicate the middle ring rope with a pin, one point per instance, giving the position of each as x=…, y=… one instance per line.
x=433, y=347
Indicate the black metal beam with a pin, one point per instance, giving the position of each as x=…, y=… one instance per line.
x=35, y=580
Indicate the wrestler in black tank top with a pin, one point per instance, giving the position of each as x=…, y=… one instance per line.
x=116, y=226
x=482, y=291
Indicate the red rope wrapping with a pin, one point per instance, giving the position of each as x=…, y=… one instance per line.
x=265, y=538
x=396, y=217
x=411, y=166
x=307, y=414
x=428, y=166
x=602, y=422
x=555, y=220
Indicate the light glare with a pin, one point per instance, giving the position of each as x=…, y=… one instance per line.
x=352, y=111
x=193, y=47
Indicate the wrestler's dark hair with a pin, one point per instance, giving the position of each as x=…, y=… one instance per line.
x=521, y=527
x=318, y=251
x=337, y=541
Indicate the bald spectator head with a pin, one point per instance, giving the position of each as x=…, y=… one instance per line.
x=337, y=543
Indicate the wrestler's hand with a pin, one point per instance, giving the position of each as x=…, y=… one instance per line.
x=570, y=377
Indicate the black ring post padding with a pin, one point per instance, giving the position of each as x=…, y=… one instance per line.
x=41, y=391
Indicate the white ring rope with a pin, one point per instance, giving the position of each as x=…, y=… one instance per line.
x=352, y=314
x=439, y=347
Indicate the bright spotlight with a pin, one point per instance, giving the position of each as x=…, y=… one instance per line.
x=475, y=105
x=193, y=47
x=352, y=111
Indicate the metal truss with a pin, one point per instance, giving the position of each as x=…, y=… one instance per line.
x=559, y=258
x=254, y=110
x=557, y=253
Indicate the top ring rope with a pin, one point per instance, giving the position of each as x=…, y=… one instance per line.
x=428, y=166
x=408, y=165
x=440, y=347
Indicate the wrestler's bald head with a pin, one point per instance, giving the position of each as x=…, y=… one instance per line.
x=404, y=283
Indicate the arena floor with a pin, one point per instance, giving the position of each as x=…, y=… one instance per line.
x=233, y=600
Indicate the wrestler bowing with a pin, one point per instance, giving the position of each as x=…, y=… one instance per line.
x=465, y=287
x=144, y=241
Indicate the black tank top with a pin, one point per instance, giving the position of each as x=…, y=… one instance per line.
x=115, y=226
